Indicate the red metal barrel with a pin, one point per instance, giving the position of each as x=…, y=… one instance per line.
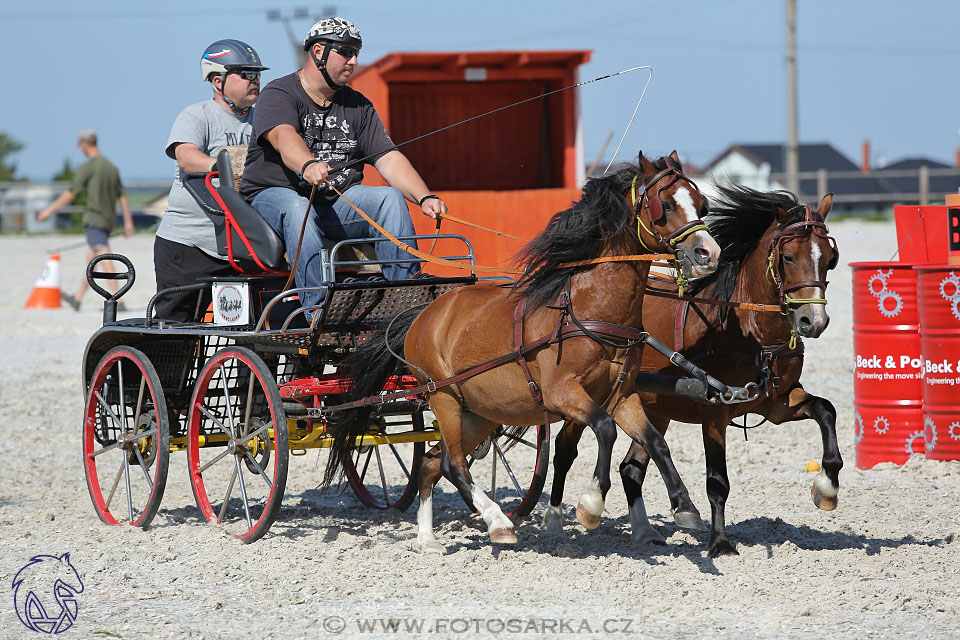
x=888, y=373
x=938, y=292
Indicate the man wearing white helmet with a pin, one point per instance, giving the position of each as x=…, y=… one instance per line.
x=186, y=245
x=312, y=129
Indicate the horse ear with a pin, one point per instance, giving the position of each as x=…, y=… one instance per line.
x=676, y=159
x=646, y=167
x=825, y=205
x=782, y=215
x=65, y=557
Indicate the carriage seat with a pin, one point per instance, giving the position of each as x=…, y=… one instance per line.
x=267, y=243
x=254, y=245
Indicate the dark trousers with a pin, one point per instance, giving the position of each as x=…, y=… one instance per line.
x=177, y=265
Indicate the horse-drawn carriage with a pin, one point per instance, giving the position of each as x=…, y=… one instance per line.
x=266, y=378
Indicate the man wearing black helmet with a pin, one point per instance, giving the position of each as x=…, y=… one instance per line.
x=311, y=129
x=186, y=246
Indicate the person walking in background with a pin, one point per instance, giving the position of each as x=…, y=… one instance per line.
x=99, y=180
x=186, y=244
x=312, y=129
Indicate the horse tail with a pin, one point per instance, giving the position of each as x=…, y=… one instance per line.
x=368, y=368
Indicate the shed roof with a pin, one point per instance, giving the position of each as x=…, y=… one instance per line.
x=509, y=64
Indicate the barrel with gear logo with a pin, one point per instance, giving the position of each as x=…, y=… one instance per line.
x=888, y=367
x=938, y=293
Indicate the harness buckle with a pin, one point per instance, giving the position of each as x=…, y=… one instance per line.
x=431, y=386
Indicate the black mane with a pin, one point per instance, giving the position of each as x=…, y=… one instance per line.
x=738, y=219
x=600, y=221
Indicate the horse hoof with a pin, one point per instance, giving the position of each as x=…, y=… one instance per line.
x=503, y=536
x=587, y=519
x=722, y=548
x=689, y=520
x=825, y=503
x=431, y=547
x=650, y=536
x=552, y=521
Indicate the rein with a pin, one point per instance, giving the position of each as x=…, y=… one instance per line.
x=646, y=257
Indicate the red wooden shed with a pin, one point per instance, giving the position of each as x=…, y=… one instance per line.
x=509, y=171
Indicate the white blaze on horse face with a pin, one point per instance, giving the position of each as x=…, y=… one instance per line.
x=685, y=201
x=815, y=254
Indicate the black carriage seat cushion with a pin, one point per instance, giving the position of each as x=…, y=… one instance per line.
x=264, y=241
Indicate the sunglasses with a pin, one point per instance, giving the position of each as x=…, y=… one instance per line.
x=345, y=51
x=249, y=76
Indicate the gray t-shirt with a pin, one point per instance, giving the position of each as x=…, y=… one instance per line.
x=210, y=126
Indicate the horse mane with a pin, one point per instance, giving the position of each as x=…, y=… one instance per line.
x=600, y=222
x=739, y=217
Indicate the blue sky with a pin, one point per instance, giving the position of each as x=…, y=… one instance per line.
x=880, y=70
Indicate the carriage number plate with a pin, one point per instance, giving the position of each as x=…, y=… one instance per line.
x=231, y=303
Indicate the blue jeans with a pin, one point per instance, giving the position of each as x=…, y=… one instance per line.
x=284, y=209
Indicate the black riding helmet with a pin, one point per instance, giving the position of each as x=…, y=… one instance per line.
x=333, y=30
x=224, y=56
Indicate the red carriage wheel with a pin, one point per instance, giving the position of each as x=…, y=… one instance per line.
x=385, y=476
x=496, y=463
x=126, y=438
x=237, y=445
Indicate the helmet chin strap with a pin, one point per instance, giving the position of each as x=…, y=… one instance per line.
x=233, y=107
x=322, y=65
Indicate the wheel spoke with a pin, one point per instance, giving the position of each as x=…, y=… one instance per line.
x=383, y=478
x=363, y=474
x=259, y=470
x=126, y=475
x=220, y=456
x=493, y=479
x=226, y=498
x=227, y=400
x=243, y=493
x=107, y=407
x=216, y=422
x=517, y=440
x=123, y=402
x=109, y=447
x=136, y=414
x=247, y=438
x=506, y=465
x=113, y=489
x=246, y=414
x=396, y=454
x=143, y=467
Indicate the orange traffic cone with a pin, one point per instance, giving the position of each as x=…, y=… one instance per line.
x=46, y=293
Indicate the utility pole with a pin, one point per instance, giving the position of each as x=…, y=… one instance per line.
x=299, y=13
x=793, y=149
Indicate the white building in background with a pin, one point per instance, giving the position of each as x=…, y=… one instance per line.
x=19, y=203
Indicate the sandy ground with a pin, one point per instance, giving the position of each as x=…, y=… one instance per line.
x=885, y=564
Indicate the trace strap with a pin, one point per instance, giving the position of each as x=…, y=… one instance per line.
x=476, y=267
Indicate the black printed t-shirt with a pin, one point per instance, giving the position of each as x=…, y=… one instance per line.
x=348, y=129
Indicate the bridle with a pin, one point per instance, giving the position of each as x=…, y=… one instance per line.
x=792, y=231
x=655, y=214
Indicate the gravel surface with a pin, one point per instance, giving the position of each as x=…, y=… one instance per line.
x=885, y=564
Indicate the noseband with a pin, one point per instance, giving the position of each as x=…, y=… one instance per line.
x=797, y=230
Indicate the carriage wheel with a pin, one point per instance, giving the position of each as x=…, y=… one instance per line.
x=126, y=441
x=492, y=466
x=385, y=476
x=237, y=447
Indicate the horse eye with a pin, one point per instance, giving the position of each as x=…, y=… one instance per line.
x=788, y=258
x=667, y=205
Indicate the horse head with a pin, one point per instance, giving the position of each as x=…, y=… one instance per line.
x=801, y=254
x=669, y=207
